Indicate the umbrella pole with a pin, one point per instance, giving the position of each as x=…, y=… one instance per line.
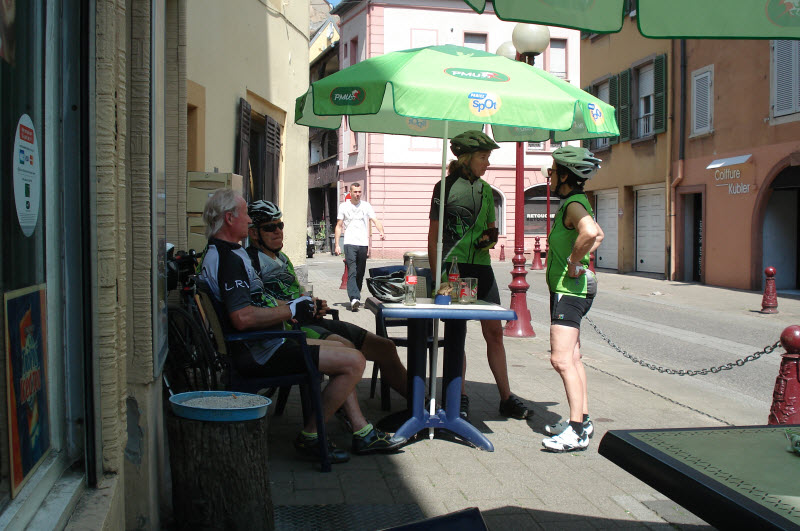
x=438, y=278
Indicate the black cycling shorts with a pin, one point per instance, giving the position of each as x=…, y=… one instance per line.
x=288, y=359
x=355, y=334
x=487, y=285
x=568, y=310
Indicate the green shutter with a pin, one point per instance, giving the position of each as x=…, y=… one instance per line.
x=624, y=106
x=660, y=94
x=613, y=100
x=587, y=143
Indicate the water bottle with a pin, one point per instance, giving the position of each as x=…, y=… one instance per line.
x=410, y=298
x=454, y=275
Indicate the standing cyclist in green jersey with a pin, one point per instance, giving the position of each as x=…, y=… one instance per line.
x=468, y=234
x=573, y=287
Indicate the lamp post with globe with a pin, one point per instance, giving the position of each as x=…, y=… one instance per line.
x=527, y=41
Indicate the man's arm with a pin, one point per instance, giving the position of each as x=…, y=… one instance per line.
x=256, y=318
x=379, y=226
x=588, y=231
x=337, y=233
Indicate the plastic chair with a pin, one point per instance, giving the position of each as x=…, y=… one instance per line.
x=424, y=287
x=309, y=381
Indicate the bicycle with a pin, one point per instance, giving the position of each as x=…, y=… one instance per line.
x=192, y=363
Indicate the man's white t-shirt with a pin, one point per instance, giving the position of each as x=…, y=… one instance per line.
x=355, y=221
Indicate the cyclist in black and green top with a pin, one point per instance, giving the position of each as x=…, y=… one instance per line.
x=572, y=286
x=469, y=232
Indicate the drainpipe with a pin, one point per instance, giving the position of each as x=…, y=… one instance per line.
x=681, y=155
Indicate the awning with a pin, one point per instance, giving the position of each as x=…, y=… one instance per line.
x=730, y=161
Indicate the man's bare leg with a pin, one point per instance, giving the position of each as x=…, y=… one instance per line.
x=563, y=340
x=345, y=367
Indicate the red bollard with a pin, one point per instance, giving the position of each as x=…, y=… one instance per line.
x=769, y=303
x=536, y=261
x=786, y=396
x=502, y=253
x=344, y=276
x=546, y=250
x=591, y=262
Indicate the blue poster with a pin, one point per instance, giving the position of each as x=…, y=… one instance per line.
x=26, y=373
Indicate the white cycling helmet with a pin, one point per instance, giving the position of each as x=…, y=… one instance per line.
x=263, y=212
x=578, y=160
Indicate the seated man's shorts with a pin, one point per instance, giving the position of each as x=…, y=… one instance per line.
x=568, y=310
x=288, y=359
x=314, y=332
x=354, y=334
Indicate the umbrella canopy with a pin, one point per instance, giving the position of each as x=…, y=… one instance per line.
x=661, y=19
x=414, y=92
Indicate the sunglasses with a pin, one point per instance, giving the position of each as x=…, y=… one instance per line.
x=271, y=227
x=549, y=172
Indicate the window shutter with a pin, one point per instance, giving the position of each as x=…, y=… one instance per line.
x=786, y=72
x=272, y=133
x=243, y=158
x=613, y=100
x=660, y=95
x=624, y=106
x=587, y=143
x=701, y=103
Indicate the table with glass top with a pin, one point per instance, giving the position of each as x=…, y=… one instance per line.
x=732, y=477
x=455, y=317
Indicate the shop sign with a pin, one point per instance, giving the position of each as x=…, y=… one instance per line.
x=27, y=175
x=26, y=382
x=736, y=180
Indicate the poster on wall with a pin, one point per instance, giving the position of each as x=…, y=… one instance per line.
x=27, y=175
x=26, y=382
x=8, y=30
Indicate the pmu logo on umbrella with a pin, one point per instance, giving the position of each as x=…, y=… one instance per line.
x=483, y=75
x=597, y=114
x=784, y=12
x=417, y=124
x=483, y=103
x=348, y=96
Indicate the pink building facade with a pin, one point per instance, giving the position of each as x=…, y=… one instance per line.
x=399, y=172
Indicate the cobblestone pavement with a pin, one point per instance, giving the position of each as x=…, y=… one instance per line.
x=518, y=486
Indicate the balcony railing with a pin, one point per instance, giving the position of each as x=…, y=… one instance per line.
x=323, y=173
x=644, y=125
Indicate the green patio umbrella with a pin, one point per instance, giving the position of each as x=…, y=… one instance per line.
x=419, y=92
x=661, y=19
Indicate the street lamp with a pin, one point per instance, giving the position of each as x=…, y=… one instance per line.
x=528, y=40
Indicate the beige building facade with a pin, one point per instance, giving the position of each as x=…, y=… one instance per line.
x=630, y=194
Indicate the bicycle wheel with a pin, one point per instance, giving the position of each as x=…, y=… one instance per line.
x=191, y=362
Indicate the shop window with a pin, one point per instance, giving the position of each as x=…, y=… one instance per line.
x=536, y=209
x=785, y=85
x=702, y=100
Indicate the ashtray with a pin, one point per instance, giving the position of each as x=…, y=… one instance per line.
x=442, y=299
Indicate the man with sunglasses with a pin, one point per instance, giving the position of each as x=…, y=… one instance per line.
x=353, y=219
x=234, y=283
x=280, y=281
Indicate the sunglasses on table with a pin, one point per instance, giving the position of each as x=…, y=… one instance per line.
x=271, y=227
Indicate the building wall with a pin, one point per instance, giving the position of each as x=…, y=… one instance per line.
x=401, y=171
x=258, y=52
x=633, y=163
x=742, y=124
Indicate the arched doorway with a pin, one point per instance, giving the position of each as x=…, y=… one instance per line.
x=780, y=231
x=536, y=210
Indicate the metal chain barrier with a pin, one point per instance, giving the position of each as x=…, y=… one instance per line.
x=684, y=372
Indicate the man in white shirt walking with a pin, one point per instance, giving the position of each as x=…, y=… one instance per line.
x=354, y=217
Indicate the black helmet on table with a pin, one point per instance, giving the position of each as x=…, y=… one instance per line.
x=471, y=141
x=388, y=288
x=263, y=212
x=580, y=161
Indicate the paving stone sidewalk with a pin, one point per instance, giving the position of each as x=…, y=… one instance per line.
x=518, y=486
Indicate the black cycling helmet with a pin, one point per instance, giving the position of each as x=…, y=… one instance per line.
x=388, y=288
x=263, y=212
x=471, y=141
x=580, y=161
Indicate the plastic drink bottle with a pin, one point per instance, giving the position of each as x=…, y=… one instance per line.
x=410, y=298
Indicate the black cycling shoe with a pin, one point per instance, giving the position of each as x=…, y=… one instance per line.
x=376, y=441
x=308, y=448
x=513, y=407
x=464, y=410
